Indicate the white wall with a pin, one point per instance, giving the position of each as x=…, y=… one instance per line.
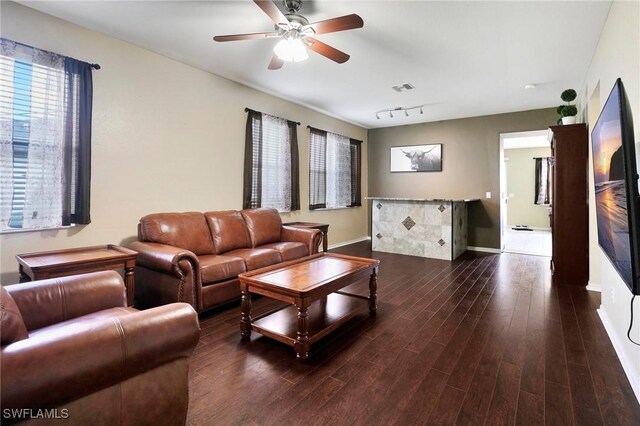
x=521, y=188
x=617, y=55
x=166, y=137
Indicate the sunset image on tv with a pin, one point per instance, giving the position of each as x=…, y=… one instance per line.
x=610, y=188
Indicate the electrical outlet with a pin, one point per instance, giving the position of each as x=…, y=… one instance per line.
x=488, y=194
x=613, y=296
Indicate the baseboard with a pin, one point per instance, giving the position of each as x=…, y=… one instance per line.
x=533, y=228
x=594, y=287
x=627, y=365
x=484, y=249
x=346, y=243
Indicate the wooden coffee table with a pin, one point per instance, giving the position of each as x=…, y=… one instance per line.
x=312, y=286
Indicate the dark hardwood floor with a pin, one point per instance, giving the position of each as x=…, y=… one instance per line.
x=483, y=340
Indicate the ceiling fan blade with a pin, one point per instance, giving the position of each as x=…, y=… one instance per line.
x=272, y=10
x=327, y=51
x=347, y=22
x=276, y=63
x=250, y=36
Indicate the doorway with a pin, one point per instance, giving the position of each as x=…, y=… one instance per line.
x=525, y=193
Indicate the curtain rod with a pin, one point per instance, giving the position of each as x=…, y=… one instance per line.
x=247, y=109
x=326, y=131
x=94, y=66
x=535, y=158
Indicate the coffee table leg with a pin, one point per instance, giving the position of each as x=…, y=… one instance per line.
x=302, y=340
x=373, y=288
x=245, y=322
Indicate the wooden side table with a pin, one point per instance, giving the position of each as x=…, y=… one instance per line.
x=322, y=227
x=60, y=263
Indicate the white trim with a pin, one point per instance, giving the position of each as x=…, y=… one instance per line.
x=591, y=286
x=629, y=368
x=484, y=249
x=346, y=243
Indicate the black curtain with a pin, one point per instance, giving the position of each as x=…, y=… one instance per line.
x=356, y=180
x=295, y=166
x=252, y=192
x=77, y=142
x=543, y=181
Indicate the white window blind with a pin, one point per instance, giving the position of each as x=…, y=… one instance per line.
x=45, y=138
x=338, y=171
x=31, y=130
x=271, y=178
x=334, y=170
x=276, y=160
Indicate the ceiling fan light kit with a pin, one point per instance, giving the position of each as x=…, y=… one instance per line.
x=296, y=33
x=291, y=50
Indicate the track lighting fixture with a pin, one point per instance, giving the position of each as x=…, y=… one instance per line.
x=400, y=110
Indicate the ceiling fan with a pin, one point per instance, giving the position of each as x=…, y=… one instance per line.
x=297, y=33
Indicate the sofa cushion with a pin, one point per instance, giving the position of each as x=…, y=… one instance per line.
x=12, y=327
x=228, y=230
x=289, y=250
x=264, y=225
x=188, y=231
x=257, y=257
x=214, y=268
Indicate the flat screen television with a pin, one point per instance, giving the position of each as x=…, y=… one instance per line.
x=616, y=186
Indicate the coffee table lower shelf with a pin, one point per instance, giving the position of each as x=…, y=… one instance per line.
x=324, y=316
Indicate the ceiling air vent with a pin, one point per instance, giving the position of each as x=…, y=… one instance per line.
x=403, y=87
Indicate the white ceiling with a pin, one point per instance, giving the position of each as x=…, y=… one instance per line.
x=464, y=58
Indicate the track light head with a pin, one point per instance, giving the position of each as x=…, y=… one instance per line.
x=390, y=114
x=421, y=111
x=406, y=113
x=377, y=116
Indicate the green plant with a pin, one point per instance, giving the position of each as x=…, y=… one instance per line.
x=568, y=95
x=567, y=110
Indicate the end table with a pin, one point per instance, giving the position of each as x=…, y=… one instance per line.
x=322, y=227
x=59, y=263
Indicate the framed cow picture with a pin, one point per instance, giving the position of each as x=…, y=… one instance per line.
x=416, y=158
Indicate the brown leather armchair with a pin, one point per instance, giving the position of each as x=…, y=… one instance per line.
x=72, y=346
x=196, y=257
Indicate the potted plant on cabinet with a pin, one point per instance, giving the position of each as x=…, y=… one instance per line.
x=567, y=112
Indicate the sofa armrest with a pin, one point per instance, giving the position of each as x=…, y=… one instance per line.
x=54, y=368
x=310, y=237
x=161, y=257
x=54, y=300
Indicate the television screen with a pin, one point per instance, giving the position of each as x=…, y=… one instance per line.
x=616, y=189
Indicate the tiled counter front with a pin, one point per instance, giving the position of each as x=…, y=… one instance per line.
x=435, y=229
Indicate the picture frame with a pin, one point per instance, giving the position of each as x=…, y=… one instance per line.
x=416, y=158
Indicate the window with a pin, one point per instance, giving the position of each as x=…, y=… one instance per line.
x=45, y=133
x=334, y=171
x=271, y=176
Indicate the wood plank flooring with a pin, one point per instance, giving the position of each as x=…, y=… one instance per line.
x=483, y=340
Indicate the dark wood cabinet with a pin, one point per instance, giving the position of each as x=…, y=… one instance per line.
x=569, y=208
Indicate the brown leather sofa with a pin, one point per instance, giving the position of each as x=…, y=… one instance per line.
x=196, y=257
x=72, y=347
